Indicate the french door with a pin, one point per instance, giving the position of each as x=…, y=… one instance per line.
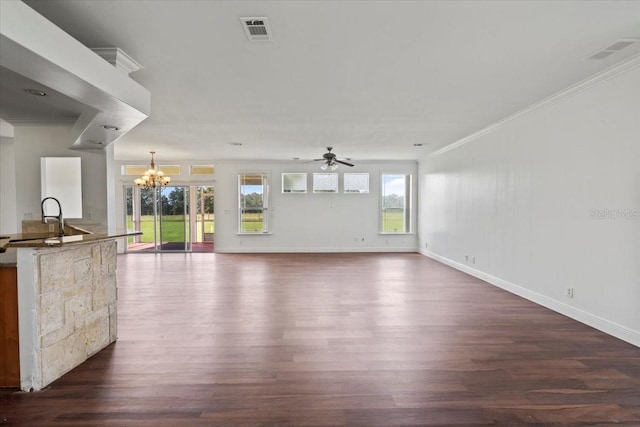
x=172, y=219
x=162, y=214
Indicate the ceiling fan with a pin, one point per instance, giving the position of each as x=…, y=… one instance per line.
x=331, y=161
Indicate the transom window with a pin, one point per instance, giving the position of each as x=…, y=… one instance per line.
x=356, y=182
x=325, y=182
x=294, y=182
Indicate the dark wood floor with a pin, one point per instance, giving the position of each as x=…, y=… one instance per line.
x=334, y=339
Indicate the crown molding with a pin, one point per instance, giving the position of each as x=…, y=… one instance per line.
x=589, y=82
x=118, y=58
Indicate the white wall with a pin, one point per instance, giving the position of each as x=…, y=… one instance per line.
x=310, y=222
x=33, y=142
x=8, y=223
x=299, y=222
x=526, y=200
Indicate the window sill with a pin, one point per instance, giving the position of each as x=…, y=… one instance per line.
x=392, y=233
x=254, y=234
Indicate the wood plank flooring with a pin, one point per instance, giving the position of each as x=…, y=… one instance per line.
x=333, y=339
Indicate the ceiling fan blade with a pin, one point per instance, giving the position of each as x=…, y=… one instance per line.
x=342, y=162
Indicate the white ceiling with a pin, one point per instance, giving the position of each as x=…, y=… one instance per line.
x=371, y=78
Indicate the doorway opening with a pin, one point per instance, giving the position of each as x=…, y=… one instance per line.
x=172, y=218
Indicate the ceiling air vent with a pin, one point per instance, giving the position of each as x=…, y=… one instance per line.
x=257, y=29
x=612, y=48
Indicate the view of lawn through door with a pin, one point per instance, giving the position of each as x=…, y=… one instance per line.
x=175, y=218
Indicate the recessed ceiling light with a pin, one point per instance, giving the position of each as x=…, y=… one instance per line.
x=94, y=142
x=235, y=144
x=36, y=92
x=110, y=127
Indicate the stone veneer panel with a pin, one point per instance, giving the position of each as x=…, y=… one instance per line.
x=76, y=290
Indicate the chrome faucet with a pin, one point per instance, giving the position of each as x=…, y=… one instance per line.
x=58, y=217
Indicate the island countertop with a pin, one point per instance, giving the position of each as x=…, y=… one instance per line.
x=47, y=240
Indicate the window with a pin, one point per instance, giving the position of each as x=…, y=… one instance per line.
x=325, y=182
x=170, y=169
x=356, y=182
x=202, y=170
x=253, y=197
x=133, y=170
x=396, y=203
x=294, y=182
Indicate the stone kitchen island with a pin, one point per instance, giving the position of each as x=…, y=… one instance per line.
x=66, y=302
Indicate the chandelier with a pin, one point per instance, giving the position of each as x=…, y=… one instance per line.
x=153, y=177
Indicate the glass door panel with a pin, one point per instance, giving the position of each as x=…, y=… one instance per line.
x=130, y=217
x=204, y=230
x=173, y=219
x=148, y=224
x=140, y=216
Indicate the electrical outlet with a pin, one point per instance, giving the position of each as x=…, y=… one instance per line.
x=569, y=292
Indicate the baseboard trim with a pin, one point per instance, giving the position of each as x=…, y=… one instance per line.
x=629, y=335
x=254, y=250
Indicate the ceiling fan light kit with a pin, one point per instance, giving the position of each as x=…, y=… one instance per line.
x=326, y=166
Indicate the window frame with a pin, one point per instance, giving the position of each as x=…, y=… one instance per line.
x=344, y=183
x=265, y=183
x=337, y=188
x=407, y=203
x=306, y=183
